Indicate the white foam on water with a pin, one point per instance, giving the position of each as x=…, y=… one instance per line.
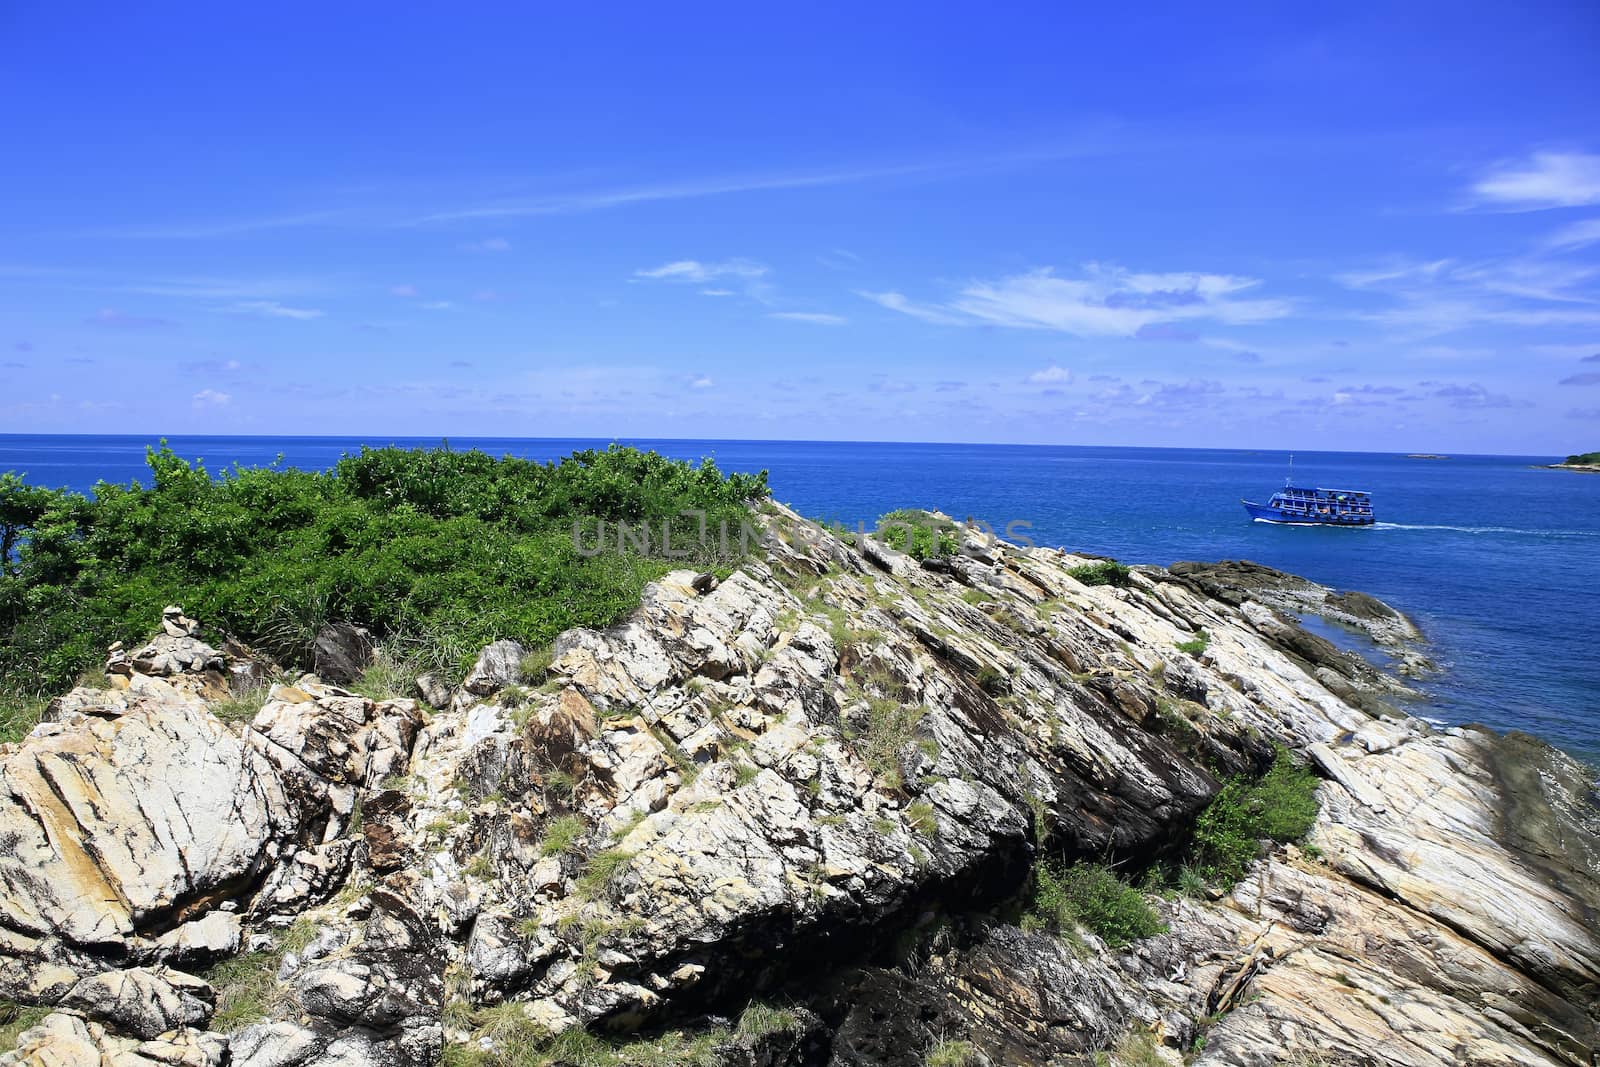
x=1487, y=530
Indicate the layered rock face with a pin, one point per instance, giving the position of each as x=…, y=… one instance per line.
x=819, y=781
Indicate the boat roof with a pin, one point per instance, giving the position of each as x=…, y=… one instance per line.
x=1303, y=489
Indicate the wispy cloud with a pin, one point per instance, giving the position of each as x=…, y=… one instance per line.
x=1051, y=375
x=820, y=318
x=111, y=318
x=1582, y=379
x=1544, y=180
x=900, y=302
x=1577, y=235
x=193, y=231
x=1103, y=301
x=577, y=201
x=488, y=244
x=693, y=270
x=1445, y=295
x=271, y=309
x=211, y=398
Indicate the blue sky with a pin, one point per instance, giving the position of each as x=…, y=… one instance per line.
x=1365, y=227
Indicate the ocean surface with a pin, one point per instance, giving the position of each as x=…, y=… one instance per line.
x=1498, y=563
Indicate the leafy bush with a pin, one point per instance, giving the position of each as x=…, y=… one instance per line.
x=1585, y=459
x=410, y=543
x=1105, y=572
x=1091, y=894
x=1281, y=805
x=1196, y=645
x=917, y=533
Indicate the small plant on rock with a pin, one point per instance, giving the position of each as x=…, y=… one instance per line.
x=1196, y=645
x=1105, y=572
x=562, y=834
x=952, y=1054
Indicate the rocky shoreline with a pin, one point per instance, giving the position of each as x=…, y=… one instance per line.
x=819, y=783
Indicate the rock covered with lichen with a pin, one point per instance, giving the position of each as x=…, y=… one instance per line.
x=819, y=782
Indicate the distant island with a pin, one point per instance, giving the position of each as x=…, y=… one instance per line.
x=1425, y=455
x=1588, y=462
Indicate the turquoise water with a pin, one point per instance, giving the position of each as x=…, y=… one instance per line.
x=1498, y=563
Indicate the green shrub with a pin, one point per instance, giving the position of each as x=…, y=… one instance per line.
x=1105, y=572
x=917, y=533
x=1091, y=894
x=410, y=543
x=1585, y=459
x=1281, y=805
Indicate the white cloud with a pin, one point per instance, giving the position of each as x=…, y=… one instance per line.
x=1544, y=180
x=211, y=398
x=1576, y=235
x=274, y=310
x=1106, y=301
x=488, y=244
x=436, y=305
x=1051, y=375
x=819, y=317
x=701, y=382
x=1441, y=296
x=898, y=302
x=716, y=292
x=692, y=270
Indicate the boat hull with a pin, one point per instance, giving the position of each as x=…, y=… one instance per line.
x=1281, y=517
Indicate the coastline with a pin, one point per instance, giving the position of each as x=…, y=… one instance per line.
x=768, y=773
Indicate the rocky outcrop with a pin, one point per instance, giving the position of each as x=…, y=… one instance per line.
x=819, y=780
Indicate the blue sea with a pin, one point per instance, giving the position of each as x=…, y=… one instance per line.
x=1499, y=563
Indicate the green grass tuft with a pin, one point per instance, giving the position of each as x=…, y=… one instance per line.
x=14, y=1019
x=247, y=984
x=952, y=1054
x=563, y=834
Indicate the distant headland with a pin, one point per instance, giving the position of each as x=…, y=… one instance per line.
x=1587, y=462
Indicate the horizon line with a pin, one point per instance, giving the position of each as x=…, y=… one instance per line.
x=621, y=440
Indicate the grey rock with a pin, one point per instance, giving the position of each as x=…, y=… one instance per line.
x=341, y=653
x=498, y=666
x=145, y=1002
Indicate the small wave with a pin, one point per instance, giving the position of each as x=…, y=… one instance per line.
x=1487, y=530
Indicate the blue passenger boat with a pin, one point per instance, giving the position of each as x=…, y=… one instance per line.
x=1314, y=507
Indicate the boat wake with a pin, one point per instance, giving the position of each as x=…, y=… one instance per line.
x=1487, y=530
